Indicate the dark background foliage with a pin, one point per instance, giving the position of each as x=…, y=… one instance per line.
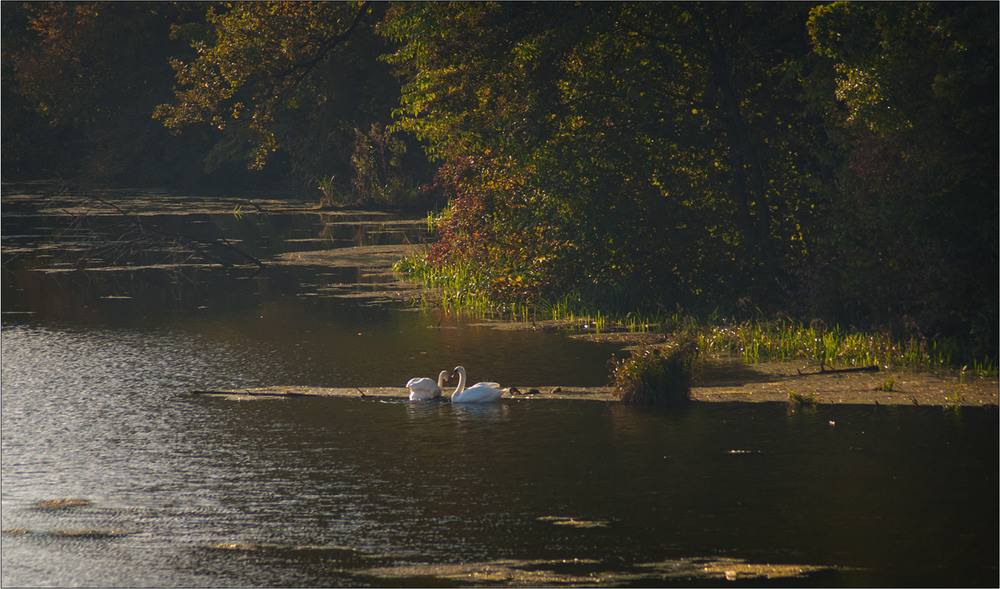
x=824, y=160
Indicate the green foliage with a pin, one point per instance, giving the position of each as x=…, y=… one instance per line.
x=332, y=195
x=654, y=377
x=585, y=149
x=757, y=339
x=302, y=80
x=255, y=62
x=378, y=168
x=911, y=238
x=80, y=81
x=629, y=152
x=834, y=160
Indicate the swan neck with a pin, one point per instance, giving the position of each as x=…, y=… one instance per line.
x=461, y=383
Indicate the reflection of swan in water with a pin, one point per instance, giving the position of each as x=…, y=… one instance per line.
x=423, y=388
x=430, y=410
x=474, y=412
x=481, y=392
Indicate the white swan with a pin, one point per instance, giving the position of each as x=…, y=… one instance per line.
x=423, y=388
x=481, y=392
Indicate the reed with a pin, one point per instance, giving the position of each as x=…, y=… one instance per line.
x=770, y=341
x=462, y=290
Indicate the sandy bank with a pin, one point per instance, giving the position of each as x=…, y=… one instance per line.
x=728, y=380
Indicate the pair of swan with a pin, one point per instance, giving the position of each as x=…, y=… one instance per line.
x=423, y=388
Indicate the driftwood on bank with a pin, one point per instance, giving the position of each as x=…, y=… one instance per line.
x=823, y=369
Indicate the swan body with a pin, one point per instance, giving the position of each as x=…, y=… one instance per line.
x=423, y=388
x=481, y=392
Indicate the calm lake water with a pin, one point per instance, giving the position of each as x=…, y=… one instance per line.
x=184, y=490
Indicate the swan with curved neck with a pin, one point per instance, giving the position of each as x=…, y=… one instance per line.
x=423, y=388
x=481, y=392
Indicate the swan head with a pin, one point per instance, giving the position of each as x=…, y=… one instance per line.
x=459, y=371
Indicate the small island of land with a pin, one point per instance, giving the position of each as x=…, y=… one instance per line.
x=730, y=380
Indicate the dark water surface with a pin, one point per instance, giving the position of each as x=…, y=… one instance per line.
x=183, y=490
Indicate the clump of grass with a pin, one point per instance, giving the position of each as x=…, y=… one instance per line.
x=888, y=384
x=984, y=368
x=332, y=196
x=801, y=399
x=655, y=377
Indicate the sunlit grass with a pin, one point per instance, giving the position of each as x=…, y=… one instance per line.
x=460, y=290
x=655, y=377
x=765, y=341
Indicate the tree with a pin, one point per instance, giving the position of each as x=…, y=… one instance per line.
x=639, y=150
x=295, y=78
x=84, y=77
x=915, y=227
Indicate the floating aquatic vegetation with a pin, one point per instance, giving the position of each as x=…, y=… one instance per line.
x=573, y=522
x=588, y=573
x=730, y=569
x=78, y=533
x=341, y=552
x=61, y=503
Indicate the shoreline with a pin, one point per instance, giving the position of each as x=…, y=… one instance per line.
x=722, y=378
x=725, y=380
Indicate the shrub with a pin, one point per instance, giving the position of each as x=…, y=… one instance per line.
x=655, y=377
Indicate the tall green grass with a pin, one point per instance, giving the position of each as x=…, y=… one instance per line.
x=762, y=340
x=461, y=290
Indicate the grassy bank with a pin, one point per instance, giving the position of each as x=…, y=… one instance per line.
x=755, y=338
